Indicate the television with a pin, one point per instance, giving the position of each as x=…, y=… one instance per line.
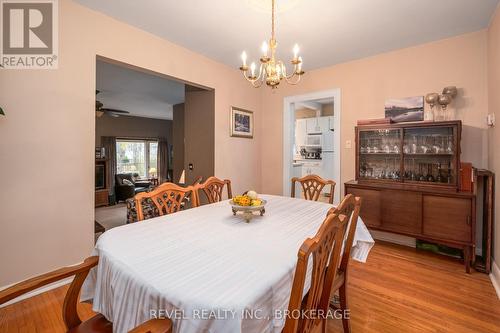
x=100, y=176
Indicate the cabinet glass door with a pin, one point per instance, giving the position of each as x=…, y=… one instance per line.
x=429, y=155
x=380, y=154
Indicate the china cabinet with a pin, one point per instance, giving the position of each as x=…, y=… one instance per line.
x=409, y=178
x=422, y=154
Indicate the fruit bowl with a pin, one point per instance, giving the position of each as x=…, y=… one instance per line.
x=247, y=205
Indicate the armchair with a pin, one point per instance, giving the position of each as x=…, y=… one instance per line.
x=125, y=191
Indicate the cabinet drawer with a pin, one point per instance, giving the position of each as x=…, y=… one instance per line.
x=402, y=211
x=370, y=206
x=448, y=218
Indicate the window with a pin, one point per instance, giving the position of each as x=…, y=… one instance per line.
x=137, y=156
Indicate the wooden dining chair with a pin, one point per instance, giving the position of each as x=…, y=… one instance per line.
x=166, y=199
x=96, y=324
x=312, y=185
x=213, y=189
x=324, y=249
x=350, y=207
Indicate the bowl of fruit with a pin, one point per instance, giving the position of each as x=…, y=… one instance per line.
x=248, y=203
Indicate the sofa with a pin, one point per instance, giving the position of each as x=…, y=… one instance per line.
x=126, y=187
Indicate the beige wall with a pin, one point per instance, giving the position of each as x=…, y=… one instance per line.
x=494, y=107
x=132, y=127
x=47, y=138
x=365, y=85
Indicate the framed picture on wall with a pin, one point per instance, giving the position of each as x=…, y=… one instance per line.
x=241, y=123
x=405, y=109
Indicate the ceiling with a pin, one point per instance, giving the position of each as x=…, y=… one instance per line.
x=328, y=31
x=143, y=95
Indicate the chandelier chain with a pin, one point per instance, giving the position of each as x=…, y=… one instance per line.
x=273, y=18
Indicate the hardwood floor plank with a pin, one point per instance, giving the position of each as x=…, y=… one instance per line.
x=398, y=290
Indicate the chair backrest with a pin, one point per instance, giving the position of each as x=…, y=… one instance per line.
x=167, y=198
x=213, y=189
x=350, y=207
x=324, y=248
x=69, y=311
x=119, y=177
x=197, y=180
x=312, y=185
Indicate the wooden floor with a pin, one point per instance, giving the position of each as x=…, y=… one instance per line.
x=398, y=290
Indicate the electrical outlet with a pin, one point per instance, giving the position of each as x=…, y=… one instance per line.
x=348, y=144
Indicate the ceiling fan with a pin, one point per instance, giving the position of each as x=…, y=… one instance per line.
x=100, y=109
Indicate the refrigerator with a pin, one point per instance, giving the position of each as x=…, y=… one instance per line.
x=327, y=154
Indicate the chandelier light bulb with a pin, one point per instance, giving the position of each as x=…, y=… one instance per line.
x=252, y=68
x=296, y=51
x=265, y=48
x=244, y=58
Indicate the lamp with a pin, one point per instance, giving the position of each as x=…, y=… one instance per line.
x=152, y=172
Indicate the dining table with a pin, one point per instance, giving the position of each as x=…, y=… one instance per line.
x=207, y=269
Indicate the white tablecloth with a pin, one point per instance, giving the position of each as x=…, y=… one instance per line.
x=217, y=272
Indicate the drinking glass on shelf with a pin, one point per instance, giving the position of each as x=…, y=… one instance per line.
x=362, y=147
x=376, y=144
x=386, y=146
x=413, y=174
x=430, y=177
x=406, y=148
x=437, y=147
x=449, y=145
x=395, y=145
x=414, y=145
x=426, y=145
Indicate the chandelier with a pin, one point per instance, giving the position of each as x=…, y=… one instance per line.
x=272, y=71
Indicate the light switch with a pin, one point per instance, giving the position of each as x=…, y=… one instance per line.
x=348, y=144
x=490, y=119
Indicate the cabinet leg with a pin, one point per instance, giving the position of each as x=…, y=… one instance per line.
x=473, y=256
x=467, y=258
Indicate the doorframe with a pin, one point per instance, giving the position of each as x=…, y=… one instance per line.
x=289, y=135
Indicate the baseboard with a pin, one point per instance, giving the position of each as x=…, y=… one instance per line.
x=394, y=238
x=495, y=277
x=37, y=291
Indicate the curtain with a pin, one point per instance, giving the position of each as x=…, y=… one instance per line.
x=162, y=160
x=109, y=144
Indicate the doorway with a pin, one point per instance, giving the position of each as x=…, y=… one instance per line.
x=320, y=140
x=147, y=132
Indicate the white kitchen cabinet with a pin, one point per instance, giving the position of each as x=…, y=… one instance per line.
x=313, y=126
x=311, y=168
x=300, y=132
x=316, y=170
x=324, y=124
x=319, y=125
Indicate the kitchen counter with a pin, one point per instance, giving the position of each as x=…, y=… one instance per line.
x=302, y=160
